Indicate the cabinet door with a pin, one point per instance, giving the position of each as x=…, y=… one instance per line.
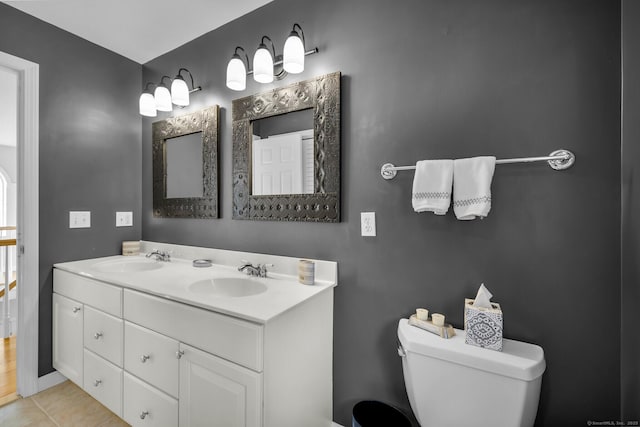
x=217, y=393
x=67, y=338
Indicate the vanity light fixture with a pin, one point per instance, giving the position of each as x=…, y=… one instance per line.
x=163, y=99
x=266, y=64
x=148, y=103
x=263, y=62
x=293, y=52
x=163, y=96
x=237, y=71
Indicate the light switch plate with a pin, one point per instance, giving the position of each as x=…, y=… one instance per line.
x=124, y=219
x=79, y=219
x=368, y=223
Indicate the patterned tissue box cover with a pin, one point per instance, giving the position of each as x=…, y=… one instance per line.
x=483, y=326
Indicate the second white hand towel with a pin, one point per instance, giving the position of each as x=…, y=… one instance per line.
x=432, y=186
x=472, y=186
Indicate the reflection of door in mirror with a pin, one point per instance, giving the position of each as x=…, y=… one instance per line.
x=283, y=164
x=184, y=166
x=283, y=154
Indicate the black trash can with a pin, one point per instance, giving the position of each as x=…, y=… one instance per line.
x=371, y=413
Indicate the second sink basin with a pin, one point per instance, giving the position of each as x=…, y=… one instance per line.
x=228, y=287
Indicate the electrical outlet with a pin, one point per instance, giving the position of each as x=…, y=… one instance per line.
x=79, y=219
x=124, y=219
x=368, y=223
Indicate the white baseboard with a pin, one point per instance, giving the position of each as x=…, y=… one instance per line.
x=336, y=425
x=52, y=379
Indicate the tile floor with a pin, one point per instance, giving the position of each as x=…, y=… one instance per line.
x=64, y=405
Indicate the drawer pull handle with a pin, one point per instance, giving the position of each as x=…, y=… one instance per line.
x=97, y=335
x=144, y=414
x=179, y=354
x=76, y=309
x=144, y=358
x=96, y=383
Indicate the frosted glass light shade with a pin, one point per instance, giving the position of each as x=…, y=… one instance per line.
x=179, y=92
x=236, y=74
x=148, y=105
x=163, y=99
x=263, y=65
x=293, y=56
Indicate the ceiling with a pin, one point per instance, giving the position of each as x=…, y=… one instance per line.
x=140, y=30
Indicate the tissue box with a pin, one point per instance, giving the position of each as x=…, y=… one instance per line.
x=483, y=326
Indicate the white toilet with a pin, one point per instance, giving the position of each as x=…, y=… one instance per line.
x=450, y=383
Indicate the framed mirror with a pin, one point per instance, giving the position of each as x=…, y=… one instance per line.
x=286, y=153
x=185, y=165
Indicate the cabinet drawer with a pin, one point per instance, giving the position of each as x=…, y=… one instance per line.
x=144, y=405
x=103, y=381
x=233, y=339
x=104, y=297
x=103, y=335
x=152, y=357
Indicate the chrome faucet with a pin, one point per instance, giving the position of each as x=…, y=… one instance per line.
x=160, y=255
x=259, y=270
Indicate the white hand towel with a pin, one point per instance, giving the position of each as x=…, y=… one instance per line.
x=432, y=186
x=472, y=186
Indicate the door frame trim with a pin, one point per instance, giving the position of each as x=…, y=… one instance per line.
x=27, y=221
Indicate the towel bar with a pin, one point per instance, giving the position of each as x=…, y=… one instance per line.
x=558, y=160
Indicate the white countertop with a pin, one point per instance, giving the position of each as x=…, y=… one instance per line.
x=172, y=279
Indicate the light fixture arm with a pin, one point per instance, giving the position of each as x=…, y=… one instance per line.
x=162, y=79
x=193, y=86
x=273, y=48
x=146, y=87
x=235, y=53
x=304, y=44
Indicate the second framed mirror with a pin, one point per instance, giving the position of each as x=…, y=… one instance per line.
x=286, y=153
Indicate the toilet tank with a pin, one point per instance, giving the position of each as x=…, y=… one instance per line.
x=450, y=383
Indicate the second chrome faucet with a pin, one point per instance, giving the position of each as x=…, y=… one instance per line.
x=259, y=270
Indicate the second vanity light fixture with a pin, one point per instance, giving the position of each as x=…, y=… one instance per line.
x=162, y=99
x=264, y=61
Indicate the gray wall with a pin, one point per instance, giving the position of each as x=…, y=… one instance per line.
x=630, y=377
x=90, y=153
x=432, y=79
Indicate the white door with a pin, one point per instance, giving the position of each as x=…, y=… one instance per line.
x=67, y=337
x=217, y=393
x=277, y=165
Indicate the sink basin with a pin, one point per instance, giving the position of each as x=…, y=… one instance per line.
x=127, y=266
x=228, y=287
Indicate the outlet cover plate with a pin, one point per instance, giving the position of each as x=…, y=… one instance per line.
x=79, y=219
x=368, y=223
x=124, y=219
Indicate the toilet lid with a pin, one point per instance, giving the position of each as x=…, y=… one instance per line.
x=517, y=359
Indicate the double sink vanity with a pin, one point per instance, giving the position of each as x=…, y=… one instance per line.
x=163, y=343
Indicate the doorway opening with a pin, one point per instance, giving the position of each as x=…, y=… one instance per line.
x=8, y=215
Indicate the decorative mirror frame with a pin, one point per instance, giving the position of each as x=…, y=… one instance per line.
x=323, y=95
x=205, y=121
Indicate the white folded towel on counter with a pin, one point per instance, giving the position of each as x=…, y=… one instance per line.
x=432, y=186
x=472, y=186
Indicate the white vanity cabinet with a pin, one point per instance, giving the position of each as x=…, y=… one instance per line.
x=158, y=362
